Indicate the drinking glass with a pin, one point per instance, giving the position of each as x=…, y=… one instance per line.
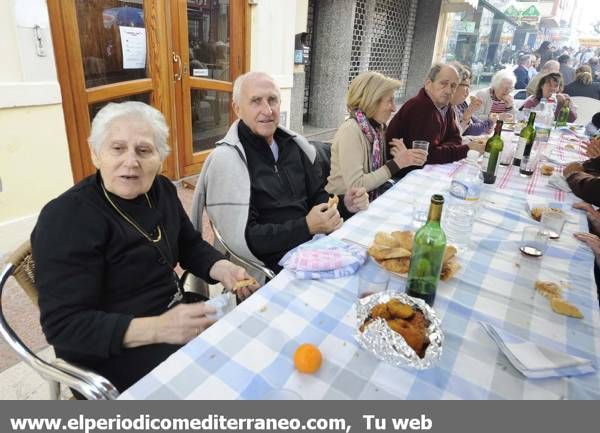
x=527, y=165
x=373, y=278
x=420, y=208
x=508, y=152
x=534, y=241
x=396, y=284
x=421, y=144
x=553, y=222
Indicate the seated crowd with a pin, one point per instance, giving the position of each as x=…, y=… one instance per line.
x=106, y=250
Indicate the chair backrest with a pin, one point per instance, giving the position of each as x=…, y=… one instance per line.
x=21, y=267
x=586, y=108
x=323, y=159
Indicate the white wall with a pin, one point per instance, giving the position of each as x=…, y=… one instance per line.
x=272, y=44
x=34, y=153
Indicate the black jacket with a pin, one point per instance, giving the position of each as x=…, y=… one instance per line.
x=282, y=194
x=586, y=184
x=95, y=273
x=577, y=88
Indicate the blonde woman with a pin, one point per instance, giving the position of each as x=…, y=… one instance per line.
x=358, y=155
x=583, y=85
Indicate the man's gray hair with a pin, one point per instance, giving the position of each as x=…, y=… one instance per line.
x=138, y=110
x=551, y=66
x=502, y=75
x=239, y=83
x=524, y=58
x=436, y=68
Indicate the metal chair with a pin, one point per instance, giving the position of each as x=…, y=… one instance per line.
x=268, y=273
x=91, y=385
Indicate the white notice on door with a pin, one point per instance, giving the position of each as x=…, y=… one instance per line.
x=133, y=45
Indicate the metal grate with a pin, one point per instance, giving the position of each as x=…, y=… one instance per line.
x=310, y=26
x=382, y=38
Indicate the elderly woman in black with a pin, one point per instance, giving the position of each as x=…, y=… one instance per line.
x=105, y=252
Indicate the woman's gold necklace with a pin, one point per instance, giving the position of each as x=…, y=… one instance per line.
x=131, y=221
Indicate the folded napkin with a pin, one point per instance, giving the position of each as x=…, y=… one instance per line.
x=535, y=361
x=558, y=181
x=324, y=257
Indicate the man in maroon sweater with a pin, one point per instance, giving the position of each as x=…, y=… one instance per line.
x=429, y=116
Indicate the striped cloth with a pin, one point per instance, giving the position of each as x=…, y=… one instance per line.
x=249, y=353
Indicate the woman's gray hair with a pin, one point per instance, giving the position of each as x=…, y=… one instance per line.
x=502, y=75
x=239, y=82
x=139, y=110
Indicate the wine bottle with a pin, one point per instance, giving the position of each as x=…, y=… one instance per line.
x=493, y=147
x=526, y=138
x=427, y=254
x=563, y=116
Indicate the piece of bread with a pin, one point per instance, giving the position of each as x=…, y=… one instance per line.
x=547, y=170
x=244, y=283
x=404, y=239
x=449, y=252
x=385, y=239
x=536, y=212
x=548, y=289
x=449, y=269
x=565, y=308
x=398, y=266
x=333, y=201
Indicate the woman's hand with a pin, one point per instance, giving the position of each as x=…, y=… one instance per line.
x=356, y=199
x=508, y=100
x=229, y=274
x=176, y=326
x=404, y=157
x=591, y=241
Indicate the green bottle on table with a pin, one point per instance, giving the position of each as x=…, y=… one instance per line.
x=493, y=148
x=427, y=254
x=563, y=116
x=526, y=139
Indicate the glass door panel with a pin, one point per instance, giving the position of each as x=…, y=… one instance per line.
x=113, y=41
x=210, y=118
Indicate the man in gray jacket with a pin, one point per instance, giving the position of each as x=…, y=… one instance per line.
x=260, y=185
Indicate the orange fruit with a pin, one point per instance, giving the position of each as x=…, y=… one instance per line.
x=307, y=358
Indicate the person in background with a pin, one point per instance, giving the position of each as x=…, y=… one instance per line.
x=595, y=65
x=467, y=122
x=106, y=249
x=533, y=67
x=496, y=99
x=545, y=52
x=359, y=155
x=429, y=116
x=550, y=66
x=565, y=69
x=522, y=71
x=583, y=84
x=261, y=182
x=593, y=128
x=548, y=85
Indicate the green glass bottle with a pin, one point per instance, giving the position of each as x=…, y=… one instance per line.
x=493, y=147
x=427, y=254
x=563, y=116
x=526, y=138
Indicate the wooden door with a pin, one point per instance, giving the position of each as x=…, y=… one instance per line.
x=99, y=47
x=209, y=45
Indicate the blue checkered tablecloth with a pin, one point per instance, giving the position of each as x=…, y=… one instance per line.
x=248, y=353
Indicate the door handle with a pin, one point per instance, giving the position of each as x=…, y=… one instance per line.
x=177, y=61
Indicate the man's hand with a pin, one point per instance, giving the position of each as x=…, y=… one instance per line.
x=571, y=168
x=228, y=274
x=591, y=241
x=593, y=148
x=583, y=205
x=356, y=199
x=322, y=219
x=477, y=144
